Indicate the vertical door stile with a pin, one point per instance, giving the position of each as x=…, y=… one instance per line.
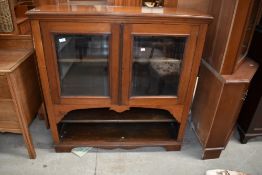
x=121, y=43
x=115, y=63
x=126, y=64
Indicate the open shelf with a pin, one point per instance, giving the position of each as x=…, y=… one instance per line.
x=108, y=129
x=118, y=132
x=105, y=115
x=85, y=59
x=118, y=135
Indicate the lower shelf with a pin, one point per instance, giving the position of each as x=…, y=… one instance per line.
x=118, y=135
x=104, y=115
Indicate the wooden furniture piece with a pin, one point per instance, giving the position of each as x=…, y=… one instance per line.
x=13, y=20
x=6, y=17
x=22, y=22
x=120, y=59
x=225, y=72
x=250, y=119
x=20, y=96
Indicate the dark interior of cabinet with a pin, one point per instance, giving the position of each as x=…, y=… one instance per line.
x=86, y=79
x=254, y=52
x=157, y=62
x=250, y=119
x=83, y=64
x=251, y=24
x=102, y=126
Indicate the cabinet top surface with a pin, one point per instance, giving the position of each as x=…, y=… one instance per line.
x=103, y=10
x=10, y=59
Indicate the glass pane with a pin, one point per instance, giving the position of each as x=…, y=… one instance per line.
x=83, y=64
x=156, y=65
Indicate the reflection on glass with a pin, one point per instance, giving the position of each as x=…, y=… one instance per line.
x=83, y=64
x=157, y=65
x=153, y=3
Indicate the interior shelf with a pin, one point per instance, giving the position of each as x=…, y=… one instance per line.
x=118, y=135
x=108, y=129
x=105, y=115
x=105, y=60
x=124, y=132
x=87, y=60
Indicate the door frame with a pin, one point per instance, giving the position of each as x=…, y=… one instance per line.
x=49, y=28
x=191, y=32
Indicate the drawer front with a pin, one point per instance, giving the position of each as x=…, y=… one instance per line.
x=8, y=118
x=4, y=88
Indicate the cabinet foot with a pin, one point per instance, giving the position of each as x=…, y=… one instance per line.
x=29, y=143
x=173, y=148
x=213, y=153
x=243, y=138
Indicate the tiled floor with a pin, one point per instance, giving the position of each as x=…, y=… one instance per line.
x=143, y=161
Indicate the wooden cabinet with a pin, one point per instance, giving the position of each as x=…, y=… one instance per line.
x=13, y=18
x=225, y=72
x=20, y=97
x=117, y=76
x=250, y=120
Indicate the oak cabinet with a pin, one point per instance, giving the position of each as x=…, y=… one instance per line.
x=117, y=76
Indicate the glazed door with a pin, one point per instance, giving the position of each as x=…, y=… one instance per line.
x=158, y=62
x=82, y=61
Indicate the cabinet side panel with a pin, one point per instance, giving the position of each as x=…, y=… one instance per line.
x=205, y=102
x=227, y=113
x=8, y=116
x=28, y=89
x=219, y=31
x=216, y=116
x=4, y=88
